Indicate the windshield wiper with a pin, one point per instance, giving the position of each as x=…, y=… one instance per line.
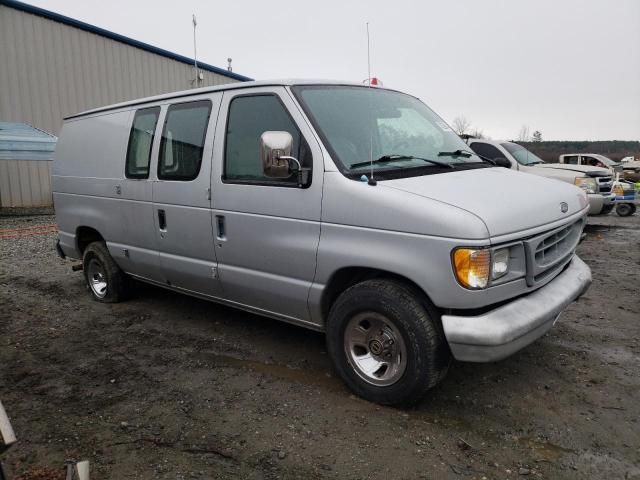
x=456, y=153
x=465, y=153
x=393, y=158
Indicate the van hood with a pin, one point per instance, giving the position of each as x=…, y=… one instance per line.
x=506, y=201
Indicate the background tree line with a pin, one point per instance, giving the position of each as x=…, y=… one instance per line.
x=614, y=149
x=549, y=151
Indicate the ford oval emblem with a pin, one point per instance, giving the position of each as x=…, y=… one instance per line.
x=564, y=208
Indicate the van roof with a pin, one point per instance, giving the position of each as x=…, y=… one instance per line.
x=217, y=88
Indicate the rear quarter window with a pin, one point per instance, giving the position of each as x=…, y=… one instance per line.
x=140, y=142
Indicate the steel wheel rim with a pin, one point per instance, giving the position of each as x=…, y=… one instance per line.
x=375, y=349
x=97, y=278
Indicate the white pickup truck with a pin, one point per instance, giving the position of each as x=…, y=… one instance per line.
x=591, y=159
x=597, y=182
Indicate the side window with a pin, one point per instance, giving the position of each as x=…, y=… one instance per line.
x=140, y=142
x=185, y=128
x=573, y=159
x=486, y=150
x=594, y=162
x=249, y=117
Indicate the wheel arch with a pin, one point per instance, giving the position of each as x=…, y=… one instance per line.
x=346, y=277
x=86, y=235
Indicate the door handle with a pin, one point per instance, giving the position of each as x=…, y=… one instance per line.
x=221, y=231
x=162, y=220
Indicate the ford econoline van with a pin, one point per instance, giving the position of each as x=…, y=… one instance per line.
x=342, y=208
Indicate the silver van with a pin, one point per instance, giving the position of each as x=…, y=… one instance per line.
x=338, y=207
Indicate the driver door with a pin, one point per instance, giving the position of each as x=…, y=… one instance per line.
x=267, y=230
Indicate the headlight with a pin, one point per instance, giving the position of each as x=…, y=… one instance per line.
x=471, y=267
x=500, y=263
x=475, y=266
x=588, y=184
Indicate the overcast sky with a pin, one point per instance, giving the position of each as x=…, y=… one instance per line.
x=569, y=68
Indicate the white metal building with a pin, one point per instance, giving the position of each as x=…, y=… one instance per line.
x=52, y=66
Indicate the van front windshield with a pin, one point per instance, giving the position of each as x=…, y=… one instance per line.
x=397, y=131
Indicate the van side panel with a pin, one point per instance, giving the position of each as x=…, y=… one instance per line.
x=87, y=167
x=93, y=146
x=90, y=190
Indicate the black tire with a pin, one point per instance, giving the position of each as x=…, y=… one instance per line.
x=625, y=209
x=98, y=264
x=414, y=318
x=606, y=210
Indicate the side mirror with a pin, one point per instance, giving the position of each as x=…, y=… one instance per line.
x=7, y=437
x=277, y=162
x=274, y=146
x=502, y=162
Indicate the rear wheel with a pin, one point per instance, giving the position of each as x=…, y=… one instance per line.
x=385, y=342
x=625, y=209
x=106, y=282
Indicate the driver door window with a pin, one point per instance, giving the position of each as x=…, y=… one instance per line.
x=249, y=117
x=594, y=162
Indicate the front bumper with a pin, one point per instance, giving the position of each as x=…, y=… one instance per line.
x=598, y=201
x=501, y=332
x=608, y=198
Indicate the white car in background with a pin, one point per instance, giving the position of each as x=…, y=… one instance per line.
x=595, y=181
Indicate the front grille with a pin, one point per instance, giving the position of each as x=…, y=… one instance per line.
x=604, y=184
x=549, y=252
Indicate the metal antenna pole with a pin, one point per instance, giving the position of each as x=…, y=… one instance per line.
x=195, y=53
x=371, y=179
x=368, y=57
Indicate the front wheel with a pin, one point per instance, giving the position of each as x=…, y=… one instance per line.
x=106, y=282
x=606, y=210
x=385, y=343
x=625, y=209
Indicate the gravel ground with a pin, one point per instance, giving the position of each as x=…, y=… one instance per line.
x=169, y=387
